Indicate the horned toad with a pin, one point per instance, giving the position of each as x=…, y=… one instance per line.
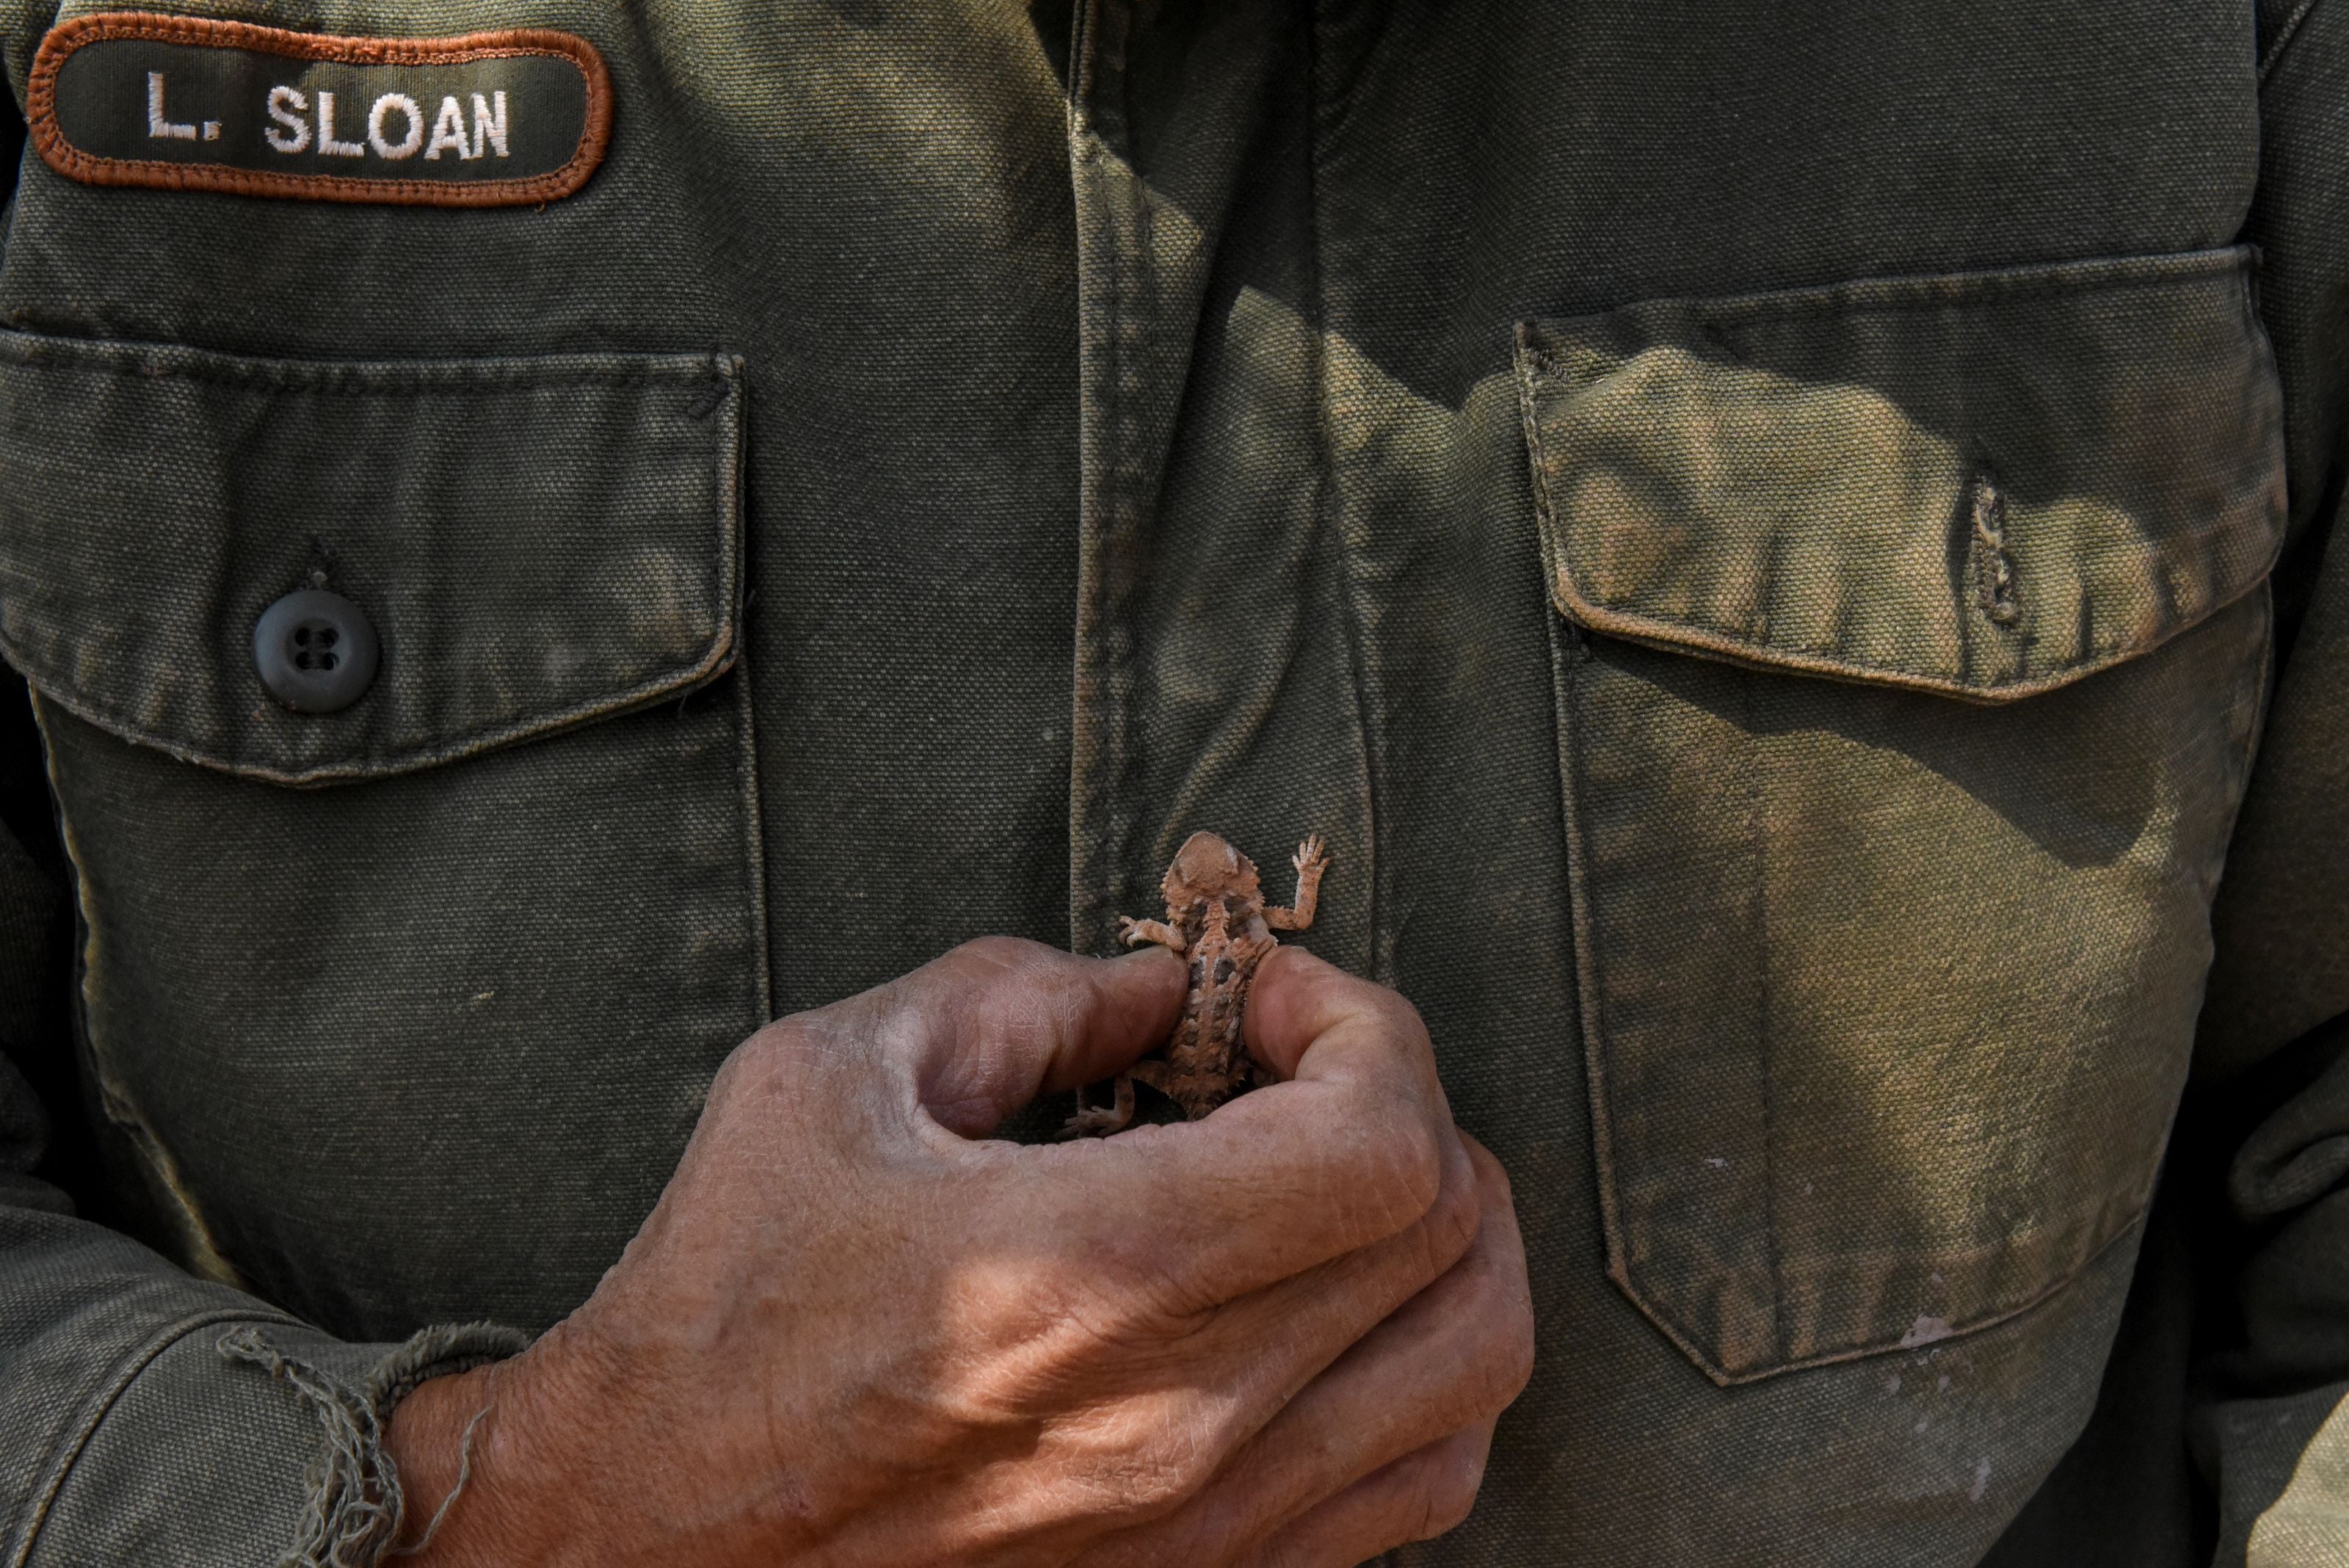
x=1218, y=919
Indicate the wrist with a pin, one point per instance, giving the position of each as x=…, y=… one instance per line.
x=470, y=1471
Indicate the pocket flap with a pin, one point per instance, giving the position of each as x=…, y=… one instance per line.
x=536, y=541
x=1984, y=484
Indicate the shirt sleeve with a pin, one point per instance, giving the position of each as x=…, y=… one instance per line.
x=146, y=1414
x=2273, y=1394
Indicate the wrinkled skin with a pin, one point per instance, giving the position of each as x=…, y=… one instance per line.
x=855, y=1331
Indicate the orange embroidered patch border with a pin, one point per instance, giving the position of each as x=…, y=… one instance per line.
x=274, y=142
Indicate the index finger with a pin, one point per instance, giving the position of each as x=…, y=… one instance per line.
x=1353, y=1148
x=999, y=1021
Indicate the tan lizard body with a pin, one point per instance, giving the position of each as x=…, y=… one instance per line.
x=1217, y=918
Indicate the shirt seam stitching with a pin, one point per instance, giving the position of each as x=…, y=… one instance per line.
x=2272, y=56
x=1329, y=508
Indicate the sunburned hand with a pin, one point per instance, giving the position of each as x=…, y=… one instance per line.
x=852, y=1331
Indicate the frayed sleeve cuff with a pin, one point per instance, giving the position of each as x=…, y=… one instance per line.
x=235, y=1441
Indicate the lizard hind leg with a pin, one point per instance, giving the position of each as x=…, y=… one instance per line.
x=1100, y=1121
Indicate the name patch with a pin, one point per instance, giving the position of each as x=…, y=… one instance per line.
x=188, y=103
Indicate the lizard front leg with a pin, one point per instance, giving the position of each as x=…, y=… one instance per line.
x=1134, y=933
x=1311, y=860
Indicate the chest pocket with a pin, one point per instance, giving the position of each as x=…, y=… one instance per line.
x=1911, y=641
x=324, y=950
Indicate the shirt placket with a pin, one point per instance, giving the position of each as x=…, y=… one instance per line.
x=1216, y=681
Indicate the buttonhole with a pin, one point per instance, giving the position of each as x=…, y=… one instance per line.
x=1995, y=585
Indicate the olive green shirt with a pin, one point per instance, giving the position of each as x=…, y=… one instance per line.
x=1783, y=547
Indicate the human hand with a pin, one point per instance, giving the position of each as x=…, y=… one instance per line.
x=1387, y=1445
x=854, y=1331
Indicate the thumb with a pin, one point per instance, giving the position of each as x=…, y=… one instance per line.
x=1307, y=1018
x=1002, y=1021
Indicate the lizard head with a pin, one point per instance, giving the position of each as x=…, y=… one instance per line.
x=1207, y=867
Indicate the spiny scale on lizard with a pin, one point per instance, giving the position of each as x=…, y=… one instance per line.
x=1218, y=919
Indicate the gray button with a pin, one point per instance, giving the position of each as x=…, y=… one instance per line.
x=316, y=651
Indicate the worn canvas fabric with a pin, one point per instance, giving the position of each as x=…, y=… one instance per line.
x=1784, y=548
